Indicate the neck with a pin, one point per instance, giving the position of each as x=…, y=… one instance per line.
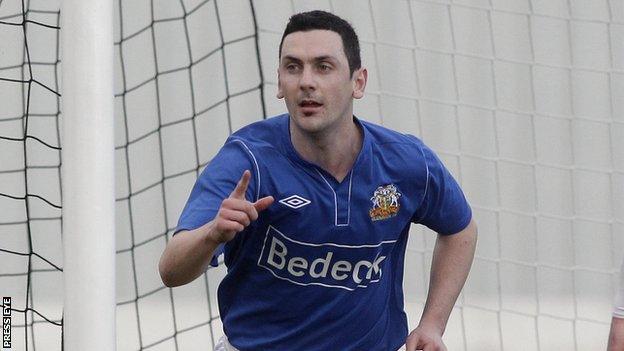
x=334, y=150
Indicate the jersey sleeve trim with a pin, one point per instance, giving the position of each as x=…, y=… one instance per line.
x=255, y=162
x=436, y=173
x=212, y=213
x=428, y=175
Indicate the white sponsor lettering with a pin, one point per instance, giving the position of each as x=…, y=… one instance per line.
x=320, y=267
x=356, y=270
x=325, y=262
x=297, y=262
x=280, y=254
x=341, y=266
x=376, y=269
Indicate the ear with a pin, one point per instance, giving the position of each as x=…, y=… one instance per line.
x=280, y=92
x=360, y=76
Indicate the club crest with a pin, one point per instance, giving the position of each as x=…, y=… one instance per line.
x=385, y=202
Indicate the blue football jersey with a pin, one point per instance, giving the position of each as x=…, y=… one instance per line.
x=322, y=267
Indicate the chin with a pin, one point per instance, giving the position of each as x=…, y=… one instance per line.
x=310, y=124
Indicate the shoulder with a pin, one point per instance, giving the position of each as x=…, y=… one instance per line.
x=261, y=135
x=264, y=131
x=391, y=143
x=249, y=148
x=404, y=155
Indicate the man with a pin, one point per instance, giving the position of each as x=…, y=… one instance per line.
x=312, y=211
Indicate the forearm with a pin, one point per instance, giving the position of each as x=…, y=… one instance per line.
x=452, y=258
x=187, y=255
x=616, y=336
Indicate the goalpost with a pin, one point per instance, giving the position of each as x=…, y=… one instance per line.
x=523, y=101
x=88, y=175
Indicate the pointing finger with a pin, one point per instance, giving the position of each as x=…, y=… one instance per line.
x=241, y=187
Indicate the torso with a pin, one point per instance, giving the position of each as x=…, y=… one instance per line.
x=325, y=252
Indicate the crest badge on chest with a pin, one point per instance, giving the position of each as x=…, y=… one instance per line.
x=385, y=202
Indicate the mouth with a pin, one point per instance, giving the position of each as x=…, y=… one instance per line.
x=309, y=106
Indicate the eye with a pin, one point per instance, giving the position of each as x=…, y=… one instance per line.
x=325, y=67
x=291, y=67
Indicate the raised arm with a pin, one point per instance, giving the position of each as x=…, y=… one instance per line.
x=188, y=253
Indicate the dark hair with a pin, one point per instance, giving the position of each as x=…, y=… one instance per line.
x=306, y=21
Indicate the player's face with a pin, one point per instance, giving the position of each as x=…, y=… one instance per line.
x=315, y=82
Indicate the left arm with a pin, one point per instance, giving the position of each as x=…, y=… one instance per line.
x=452, y=258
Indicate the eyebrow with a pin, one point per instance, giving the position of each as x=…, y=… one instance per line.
x=316, y=59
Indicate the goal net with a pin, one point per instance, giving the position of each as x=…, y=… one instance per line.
x=523, y=101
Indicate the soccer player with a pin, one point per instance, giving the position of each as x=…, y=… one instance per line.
x=616, y=335
x=312, y=210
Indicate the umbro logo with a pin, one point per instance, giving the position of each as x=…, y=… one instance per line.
x=295, y=201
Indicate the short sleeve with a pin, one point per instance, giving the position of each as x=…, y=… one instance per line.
x=214, y=184
x=444, y=208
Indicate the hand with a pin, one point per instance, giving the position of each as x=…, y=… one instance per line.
x=236, y=213
x=426, y=339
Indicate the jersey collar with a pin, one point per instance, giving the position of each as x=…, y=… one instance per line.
x=293, y=155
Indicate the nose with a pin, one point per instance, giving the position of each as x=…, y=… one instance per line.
x=307, y=80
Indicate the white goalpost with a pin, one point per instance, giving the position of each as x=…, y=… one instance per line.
x=522, y=99
x=88, y=176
